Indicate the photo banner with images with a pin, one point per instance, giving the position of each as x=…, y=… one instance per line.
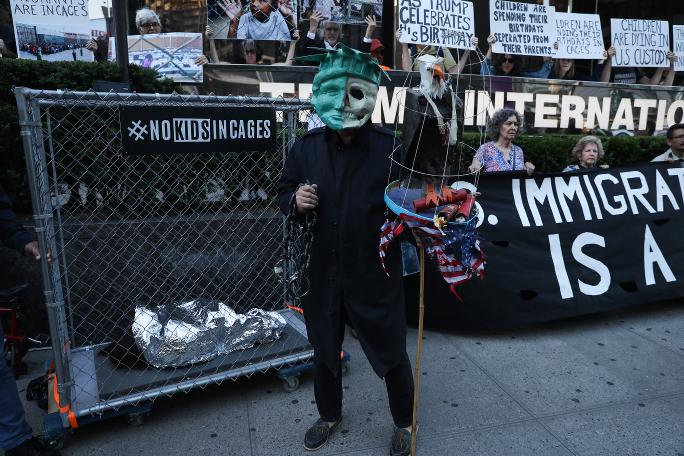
x=52, y=31
x=678, y=46
x=150, y=130
x=243, y=20
x=640, y=42
x=564, y=244
x=579, y=36
x=522, y=28
x=171, y=55
x=342, y=11
x=443, y=23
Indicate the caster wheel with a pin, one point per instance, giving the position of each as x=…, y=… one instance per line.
x=57, y=443
x=136, y=419
x=291, y=384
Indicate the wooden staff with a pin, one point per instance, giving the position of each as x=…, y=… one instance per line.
x=416, y=372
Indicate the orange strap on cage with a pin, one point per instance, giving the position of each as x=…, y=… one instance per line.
x=67, y=408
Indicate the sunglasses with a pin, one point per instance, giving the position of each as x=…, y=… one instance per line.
x=150, y=25
x=250, y=51
x=508, y=59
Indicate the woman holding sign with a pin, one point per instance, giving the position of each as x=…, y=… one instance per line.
x=500, y=154
x=509, y=64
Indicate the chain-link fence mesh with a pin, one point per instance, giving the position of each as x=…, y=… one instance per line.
x=151, y=231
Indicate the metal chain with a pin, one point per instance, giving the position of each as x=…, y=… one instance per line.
x=296, y=261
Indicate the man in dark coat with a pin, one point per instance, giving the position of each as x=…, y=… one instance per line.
x=15, y=434
x=347, y=164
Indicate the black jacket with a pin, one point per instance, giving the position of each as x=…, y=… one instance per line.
x=12, y=233
x=345, y=269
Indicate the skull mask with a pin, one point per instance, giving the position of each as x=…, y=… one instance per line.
x=345, y=88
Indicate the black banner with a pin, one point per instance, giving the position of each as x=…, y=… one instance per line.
x=148, y=130
x=568, y=244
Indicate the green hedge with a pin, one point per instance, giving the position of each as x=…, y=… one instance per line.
x=36, y=74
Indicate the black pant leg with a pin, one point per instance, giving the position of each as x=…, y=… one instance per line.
x=328, y=386
x=399, y=382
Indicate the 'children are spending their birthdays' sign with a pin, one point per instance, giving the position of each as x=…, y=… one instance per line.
x=448, y=23
x=579, y=36
x=640, y=42
x=522, y=28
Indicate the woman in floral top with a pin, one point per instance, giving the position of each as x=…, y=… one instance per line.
x=500, y=154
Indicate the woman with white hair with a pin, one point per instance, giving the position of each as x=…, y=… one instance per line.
x=147, y=22
x=588, y=151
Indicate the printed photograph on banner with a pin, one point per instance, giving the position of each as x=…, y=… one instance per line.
x=252, y=52
x=579, y=36
x=52, y=31
x=444, y=23
x=252, y=19
x=172, y=55
x=640, y=42
x=344, y=11
x=678, y=46
x=522, y=28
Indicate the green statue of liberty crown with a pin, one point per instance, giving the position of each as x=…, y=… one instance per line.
x=344, y=61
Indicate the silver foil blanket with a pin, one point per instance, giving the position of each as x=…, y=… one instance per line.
x=182, y=333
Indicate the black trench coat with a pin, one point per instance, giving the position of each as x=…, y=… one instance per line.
x=345, y=268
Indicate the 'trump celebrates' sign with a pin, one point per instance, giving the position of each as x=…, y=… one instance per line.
x=522, y=28
x=579, y=36
x=148, y=130
x=678, y=46
x=640, y=42
x=447, y=23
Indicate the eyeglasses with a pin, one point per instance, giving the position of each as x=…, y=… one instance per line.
x=331, y=29
x=250, y=51
x=678, y=137
x=150, y=25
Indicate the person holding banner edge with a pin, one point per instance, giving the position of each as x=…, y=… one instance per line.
x=500, y=154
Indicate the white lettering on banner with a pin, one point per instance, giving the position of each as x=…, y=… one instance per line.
x=591, y=263
x=187, y=130
x=559, y=267
x=551, y=110
x=632, y=193
x=652, y=255
x=522, y=28
x=640, y=42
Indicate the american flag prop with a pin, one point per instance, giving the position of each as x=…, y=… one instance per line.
x=456, y=249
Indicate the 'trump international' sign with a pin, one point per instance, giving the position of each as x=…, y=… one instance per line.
x=150, y=130
x=572, y=243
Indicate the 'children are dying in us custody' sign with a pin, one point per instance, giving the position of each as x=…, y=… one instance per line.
x=640, y=42
x=579, y=36
x=522, y=28
x=678, y=46
x=447, y=23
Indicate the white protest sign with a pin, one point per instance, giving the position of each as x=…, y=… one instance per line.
x=640, y=42
x=579, y=36
x=448, y=23
x=50, y=30
x=678, y=46
x=522, y=28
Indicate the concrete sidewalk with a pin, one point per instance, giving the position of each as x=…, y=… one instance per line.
x=606, y=384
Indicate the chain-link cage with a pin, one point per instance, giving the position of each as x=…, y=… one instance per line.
x=133, y=232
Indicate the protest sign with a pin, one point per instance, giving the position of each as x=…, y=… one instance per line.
x=579, y=36
x=522, y=28
x=172, y=55
x=448, y=23
x=640, y=42
x=48, y=30
x=678, y=46
x=243, y=20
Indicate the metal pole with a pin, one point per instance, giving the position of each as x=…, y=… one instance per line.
x=120, y=13
x=569, y=6
x=419, y=351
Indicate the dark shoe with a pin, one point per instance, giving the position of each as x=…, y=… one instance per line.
x=401, y=442
x=32, y=447
x=318, y=434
